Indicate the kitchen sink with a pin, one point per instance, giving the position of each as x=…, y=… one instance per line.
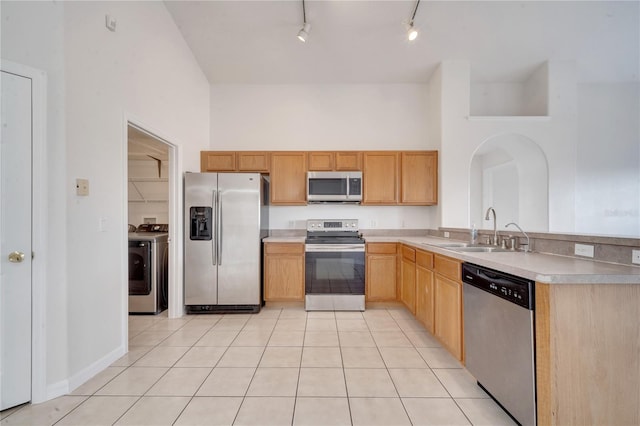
x=476, y=249
x=469, y=248
x=450, y=245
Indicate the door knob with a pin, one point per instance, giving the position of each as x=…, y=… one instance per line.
x=16, y=256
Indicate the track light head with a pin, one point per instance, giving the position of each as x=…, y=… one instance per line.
x=412, y=32
x=303, y=34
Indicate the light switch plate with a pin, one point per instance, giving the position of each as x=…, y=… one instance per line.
x=635, y=257
x=82, y=187
x=584, y=250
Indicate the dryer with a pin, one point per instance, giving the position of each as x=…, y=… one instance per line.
x=148, y=269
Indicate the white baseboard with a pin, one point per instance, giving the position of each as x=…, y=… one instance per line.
x=87, y=373
x=55, y=390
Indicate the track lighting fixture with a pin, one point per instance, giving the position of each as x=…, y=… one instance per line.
x=303, y=34
x=412, y=31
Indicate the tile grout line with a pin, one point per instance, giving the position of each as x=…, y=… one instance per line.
x=344, y=373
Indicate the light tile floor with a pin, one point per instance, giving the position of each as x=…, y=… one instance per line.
x=283, y=366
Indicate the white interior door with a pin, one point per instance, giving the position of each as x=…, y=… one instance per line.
x=15, y=240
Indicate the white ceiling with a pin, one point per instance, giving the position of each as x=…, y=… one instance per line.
x=254, y=42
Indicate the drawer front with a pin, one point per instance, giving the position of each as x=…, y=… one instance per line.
x=448, y=267
x=381, y=248
x=424, y=259
x=408, y=253
x=284, y=248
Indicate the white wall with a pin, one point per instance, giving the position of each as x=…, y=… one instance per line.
x=608, y=159
x=461, y=136
x=144, y=70
x=97, y=78
x=39, y=28
x=325, y=117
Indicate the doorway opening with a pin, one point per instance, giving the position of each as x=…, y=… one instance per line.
x=150, y=167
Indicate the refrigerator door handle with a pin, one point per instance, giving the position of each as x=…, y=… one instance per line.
x=219, y=225
x=214, y=245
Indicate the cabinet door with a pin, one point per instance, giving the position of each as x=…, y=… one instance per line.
x=448, y=314
x=419, y=178
x=288, y=178
x=217, y=161
x=253, y=161
x=321, y=161
x=408, y=286
x=284, y=271
x=381, y=277
x=348, y=161
x=380, y=177
x=424, y=297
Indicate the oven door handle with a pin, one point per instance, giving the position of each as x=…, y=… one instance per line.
x=324, y=248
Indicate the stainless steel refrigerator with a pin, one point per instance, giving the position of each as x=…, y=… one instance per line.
x=226, y=217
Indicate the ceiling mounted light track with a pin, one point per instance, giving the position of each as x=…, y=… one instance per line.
x=412, y=31
x=303, y=34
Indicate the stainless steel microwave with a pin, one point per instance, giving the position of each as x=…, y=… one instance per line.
x=334, y=187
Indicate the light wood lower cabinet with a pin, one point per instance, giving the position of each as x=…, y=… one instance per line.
x=408, y=280
x=448, y=304
x=380, y=276
x=448, y=314
x=425, y=290
x=284, y=272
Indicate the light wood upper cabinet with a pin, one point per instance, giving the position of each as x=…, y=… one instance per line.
x=234, y=161
x=380, y=177
x=389, y=177
x=283, y=271
x=288, y=178
x=348, y=161
x=217, y=161
x=419, y=177
x=381, y=272
x=249, y=161
x=321, y=161
x=335, y=161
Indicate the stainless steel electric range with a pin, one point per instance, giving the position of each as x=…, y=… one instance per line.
x=334, y=265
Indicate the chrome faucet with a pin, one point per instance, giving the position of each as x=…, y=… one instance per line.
x=495, y=231
x=528, y=247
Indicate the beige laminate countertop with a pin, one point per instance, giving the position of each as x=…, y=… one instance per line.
x=544, y=268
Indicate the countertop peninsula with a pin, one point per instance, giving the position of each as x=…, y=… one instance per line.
x=541, y=267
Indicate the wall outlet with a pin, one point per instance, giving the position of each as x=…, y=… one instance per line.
x=446, y=234
x=635, y=256
x=372, y=224
x=584, y=250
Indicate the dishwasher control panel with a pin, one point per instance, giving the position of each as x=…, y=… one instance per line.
x=509, y=287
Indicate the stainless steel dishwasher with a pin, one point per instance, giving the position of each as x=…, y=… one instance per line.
x=499, y=338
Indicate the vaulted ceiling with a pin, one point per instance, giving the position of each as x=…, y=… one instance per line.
x=359, y=42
